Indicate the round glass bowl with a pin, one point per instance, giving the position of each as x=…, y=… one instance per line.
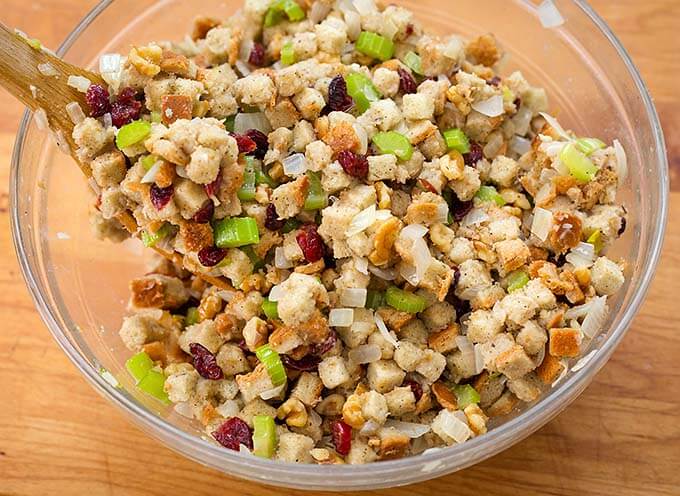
x=80, y=285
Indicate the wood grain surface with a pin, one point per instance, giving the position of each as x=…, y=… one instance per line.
x=622, y=436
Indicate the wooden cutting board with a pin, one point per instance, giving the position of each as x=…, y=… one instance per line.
x=622, y=436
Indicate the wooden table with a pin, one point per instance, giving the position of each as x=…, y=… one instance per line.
x=622, y=436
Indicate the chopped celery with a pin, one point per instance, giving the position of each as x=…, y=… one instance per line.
x=413, y=61
x=466, y=395
x=262, y=177
x=394, y=143
x=34, y=43
x=150, y=239
x=133, y=133
x=270, y=309
x=139, y=365
x=404, y=301
x=236, y=232
x=290, y=225
x=508, y=95
x=272, y=18
x=457, y=140
x=229, y=123
x=579, y=165
x=257, y=262
x=316, y=196
x=517, y=280
x=279, y=8
x=293, y=11
x=192, y=317
x=589, y=145
x=375, y=46
x=287, y=54
x=595, y=239
x=272, y=361
x=489, y=194
x=149, y=161
x=247, y=190
x=362, y=91
x=156, y=117
x=375, y=299
x=153, y=383
x=264, y=436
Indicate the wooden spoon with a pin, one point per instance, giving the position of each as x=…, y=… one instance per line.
x=21, y=76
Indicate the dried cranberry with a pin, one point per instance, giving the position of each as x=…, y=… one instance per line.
x=342, y=437
x=456, y=277
x=127, y=96
x=260, y=140
x=459, y=209
x=353, y=164
x=122, y=113
x=205, y=362
x=416, y=388
x=338, y=99
x=205, y=213
x=310, y=243
x=211, y=256
x=409, y=30
x=622, y=229
x=406, y=82
x=305, y=364
x=160, y=197
x=494, y=81
x=97, y=98
x=475, y=154
x=214, y=187
x=326, y=345
x=271, y=220
x=257, y=55
x=233, y=433
x=245, y=144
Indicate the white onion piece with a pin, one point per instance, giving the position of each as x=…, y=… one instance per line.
x=254, y=120
x=318, y=12
x=522, y=120
x=544, y=193
x=583, y=361
x=109, y=63
x=479, y=359
x=389, y=29
x=361, y=221
x=442, y=213
x=549, y=15
x=542, y=223
x=181, y=171
x=151, y=174
x=272, y=393
x=621, y=162
x=353, y=21
x=409, y=273
x=563, y=374
x=243, y=68
x=491, y=107
x=452, y=426
x=280, y=260
x=245, y=49
x=79, y=82
x=413, y=232
x=353, y=297
x=370, y=428
x=422, y=257
x=464, y=344
x=384, y=274
x=597, y=315
x=552, y=148
x=583, y=255
x=579, y=311
x=520, y=145
x=341, y=317
x=474, y=217
x=48, y=69
x=556, y=126
x=361, y=264
x=75, y=113
x=275, y=293
x=184, y=409
x=365, y=353
x=409, y=429
x=365, y=7
x=295, y=165
x=244, y=450
x=386, y=334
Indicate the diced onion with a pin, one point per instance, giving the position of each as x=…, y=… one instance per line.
x=552, y=148
x=361, y=221
x=280, y=260
x=520, y=145
x=474, y=217
x=386, y=334
x=442, y=213
x=409, y=273
x=272, y=393
x=244, y=450
x=492, y=107
x=369, y=428
x=583, y=361
x=110, y=63
x=454, y=427
x=409, y=429
x=583, y=255
x=464, y=344
x=542, y=223
x=522, y=120
x=563, y=374
x=413, y=231
x=421, y=257
x=341, y=317
x=245, y=49
x=621, y=162
x=579, y=311
x=597, y=315
x=556, y=126
x=365, y=353
x=275, y=293
x=48, y=69
x=254, y=120
x=365, y=7
x=79, y=82
x=151, y=174
x=361, y=264
x=181, y=171
x=389, y=29
x=318, y=12
x=353, y=297
x=544, y=193
x=479, y=359
x=243, y=68
x=295, y=165
x=353, y=21
x=384, y=274
x=549, y=15
x=75, y=113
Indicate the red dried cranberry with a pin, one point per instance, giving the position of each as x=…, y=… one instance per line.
x=97, y=98
x=160, y=197
x=233, y=433
x=305, y=364
x=205, y=213
x=342, y=437
x=409, y=30
x=406, y=82
x=211, y=256
x=271, y=220
x=353, y=164
x=257, y=55
x=326, y=345
x=122, y=113
x=459, y=209
x=260, y=140
x=310, y=243
x=214, y=187
x=245, y=144
x=127, y=96
x=338, y=99
x=475, y=154
x=416, y=388
x=205, y=362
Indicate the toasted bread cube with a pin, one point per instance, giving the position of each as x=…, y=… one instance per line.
x=444, y=341
x=526, y=388
x=294, y=448
x=333, y=372
x=514, y=363
x=503, y=406
x=532, y=338
x=384, y=375
x=407, y=356
x=204, y=333
x=400, y=401
x=232, y=360
x=431, y=366
x=550, y=369
x=565, y=342
x=308, y=389
x=374, y=407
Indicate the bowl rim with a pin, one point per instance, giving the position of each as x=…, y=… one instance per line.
x=278, y=473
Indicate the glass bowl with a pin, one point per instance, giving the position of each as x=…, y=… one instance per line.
x=80, y=285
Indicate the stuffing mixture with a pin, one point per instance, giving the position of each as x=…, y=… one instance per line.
x=403, y=244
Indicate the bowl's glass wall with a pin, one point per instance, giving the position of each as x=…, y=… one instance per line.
x=81, y=283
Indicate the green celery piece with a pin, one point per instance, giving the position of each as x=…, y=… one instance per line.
x=264, y=436
x=287, y=54
x=133, y=133
x=293, y=11
x=229, y=123
x=272, y=361
x=270, y=309
x=316, y=196
x=34, y=43
x=595, y=239
x=272, y=17
x=580, y=166
x=374, y=299
x=456, y=139
x=149, y=161
x=589, y=145
x=150, y=239
x=236, y=232
x=375, y=45
x=466, y=395
x=362, y=90
x=139, y=365
x=404, y=301
x=489, y=194
x=262, y=177
x=517, y=280
x=156, y=117
x=192, y=317
x=247, y=191
x=413, y=61
x=257, y=262
x=152, y=383
x=394, y=143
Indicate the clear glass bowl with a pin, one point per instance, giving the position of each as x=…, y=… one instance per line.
x=80, y=284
